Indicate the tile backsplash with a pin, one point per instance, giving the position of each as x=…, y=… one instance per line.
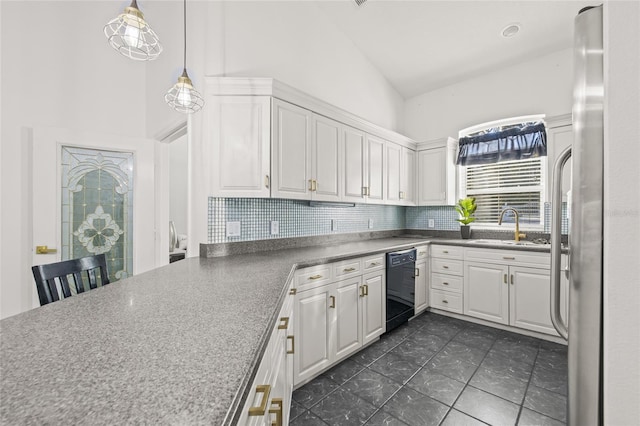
x=299, y=219
x=295, y=218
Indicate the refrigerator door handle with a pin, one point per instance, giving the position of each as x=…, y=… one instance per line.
x=556, y=248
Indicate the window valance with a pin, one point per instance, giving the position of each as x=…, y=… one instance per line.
x=514, y=143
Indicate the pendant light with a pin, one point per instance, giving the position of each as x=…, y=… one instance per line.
x=182, y=96
x=130, y=35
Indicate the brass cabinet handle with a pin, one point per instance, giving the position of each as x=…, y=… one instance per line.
x=277, y=411
x=372, y=264
x=266, y=181
x=366, y=289
x=511, y=279
x=310, y=184
x=284, y=323
x=505, y=278
x=293, y=292
x=45, y=250
x=445, y=251
x=333, y=301
x=445, y=267
x=349, y=269
x=401, y=195
x=417, y=272
x=293, y=344
x=265, y=390
x=315, y=277
x=362, y=291
x=445, y=283
x=315, y=185
x=445, y=301
x=508, y=258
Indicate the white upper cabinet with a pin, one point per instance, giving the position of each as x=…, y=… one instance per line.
x=290, y=151
x=325, y=167
x=437, y=173
x=239, y=130
x=353, y=170
x=408, y=177
x=394, y=160
x=375, y=186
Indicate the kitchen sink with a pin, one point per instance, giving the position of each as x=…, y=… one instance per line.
x=507, y=242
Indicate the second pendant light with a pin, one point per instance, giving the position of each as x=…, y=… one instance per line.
x=182, y=96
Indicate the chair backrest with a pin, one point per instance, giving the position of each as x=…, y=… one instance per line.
x=49, y=277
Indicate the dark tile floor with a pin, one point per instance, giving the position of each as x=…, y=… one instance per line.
x=438, y=370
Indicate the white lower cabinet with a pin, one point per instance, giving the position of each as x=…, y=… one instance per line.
x=335, y=319
x=422, y=287
x=269, y=400
x=486, y=291
x=530, y=299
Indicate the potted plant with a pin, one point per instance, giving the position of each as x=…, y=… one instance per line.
x=466, y=207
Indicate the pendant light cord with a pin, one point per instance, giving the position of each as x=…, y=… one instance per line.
x=185, y=33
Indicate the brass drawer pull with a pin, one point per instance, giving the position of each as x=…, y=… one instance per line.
x=508, y=258
x=310, y=184
x=333, y=301
x=349, y=269
x=445, y=267
x=277, y=402
x=511, y=279
x=372, y=264
x=445, y=251
x=293, y=292
x=293, y=344
x=315, y=277
x=366, y=289
x=445, y=283
x=445, y=301
x=505, y=278
x=265, y=390
x=362, y=291
x=284, y=323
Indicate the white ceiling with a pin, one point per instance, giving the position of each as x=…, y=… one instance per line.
x=422, y=45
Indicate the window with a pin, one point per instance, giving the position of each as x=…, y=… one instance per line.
x=518, y=184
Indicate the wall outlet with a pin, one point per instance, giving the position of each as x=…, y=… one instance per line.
x=334, y=225
x=431, y=223
x=275, y=227
x=370, y=223
x=233, y=229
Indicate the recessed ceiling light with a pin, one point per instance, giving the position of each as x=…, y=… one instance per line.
x=510, y=30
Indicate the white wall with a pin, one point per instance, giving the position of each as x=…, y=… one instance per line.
x=293, y=42
x=178, y=173
x=56, y=71
x=621, y=319
x=541, y=85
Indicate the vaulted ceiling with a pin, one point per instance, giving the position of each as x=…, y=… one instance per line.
x=421, y=45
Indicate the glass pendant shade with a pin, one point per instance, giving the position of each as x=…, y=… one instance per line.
x=130, y=35
x=183, y=97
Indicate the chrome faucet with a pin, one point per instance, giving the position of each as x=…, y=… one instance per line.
x=518, y=235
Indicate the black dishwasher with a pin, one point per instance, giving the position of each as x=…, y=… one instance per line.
x=401, y=283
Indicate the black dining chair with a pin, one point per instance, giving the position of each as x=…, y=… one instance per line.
x=49, y=277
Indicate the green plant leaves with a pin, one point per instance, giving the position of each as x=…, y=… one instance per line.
x=466, y=208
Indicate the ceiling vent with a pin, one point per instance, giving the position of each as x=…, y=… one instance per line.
x=359, y=2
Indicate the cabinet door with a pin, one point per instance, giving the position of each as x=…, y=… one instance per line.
x=432, y=185
x=290, y=151
x=313, y=321
x=486, y=292
x=375, y=169
x=408, y=176
x=325, y=168
x=347, y=308
x=421, y=286
x=394, y=160
x=239, y=128
x=530, y=299
x=374, y=306
x=353, y=170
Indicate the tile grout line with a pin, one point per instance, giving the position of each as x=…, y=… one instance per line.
x=528, y=383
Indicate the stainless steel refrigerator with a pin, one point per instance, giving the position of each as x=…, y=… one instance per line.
x=584, y=330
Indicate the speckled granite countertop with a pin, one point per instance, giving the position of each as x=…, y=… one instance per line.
x=176, y=345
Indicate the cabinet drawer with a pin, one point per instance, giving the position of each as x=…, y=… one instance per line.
x=312, y=276
x=443, y=266
x=422, y=252
x=446, y=282
x=446, y=300
x=509, y=257
x=347, y=268
x=447, y=252
x=373, y=263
